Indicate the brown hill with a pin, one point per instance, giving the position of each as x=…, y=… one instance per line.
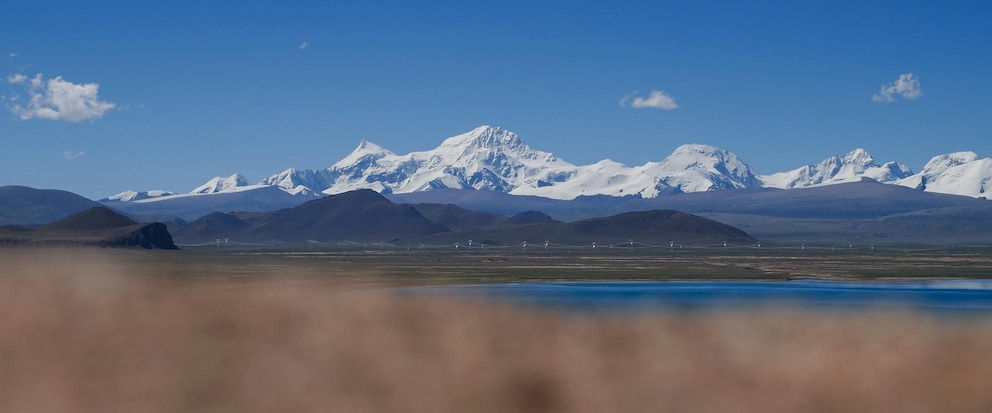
x=646, y=227
x=359, y=216
x=366, y=216
x=212, y=226
x=530, y=217
x=96, y=218
x=457, y=218
x=29, y=207
x=97, y=226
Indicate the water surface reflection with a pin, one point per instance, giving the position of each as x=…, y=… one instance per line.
x=964, y=295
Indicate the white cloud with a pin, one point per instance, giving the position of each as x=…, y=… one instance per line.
x=16, y=78
x=70, y=155
x=12, y=55
x=303, y=45
x=57, y=99
x=656, y=100
x=907, y=86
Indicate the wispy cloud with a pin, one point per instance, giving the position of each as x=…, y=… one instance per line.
x=658, y=99
x=70, y=155
x=57, y=99
x=304, y=45
x=907, y=86
x=12, y=55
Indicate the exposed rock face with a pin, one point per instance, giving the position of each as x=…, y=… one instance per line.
x=98, y=227
x=149, y=236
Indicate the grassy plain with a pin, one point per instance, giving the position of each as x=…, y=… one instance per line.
x=226, y=329
x=390, y=267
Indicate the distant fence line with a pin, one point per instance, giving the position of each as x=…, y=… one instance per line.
x=547, y=245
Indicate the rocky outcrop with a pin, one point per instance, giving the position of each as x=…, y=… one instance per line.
x=98, y=227
x=149, y=236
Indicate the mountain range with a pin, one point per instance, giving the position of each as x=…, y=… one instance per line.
x=494, y=159
x=97, y=226
x=862, y=212
x=45, y=217
x=366, y=216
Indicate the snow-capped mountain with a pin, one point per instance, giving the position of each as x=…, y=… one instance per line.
x=299, y=181
x=491, y=158
x=699, y=168
x=221, y=184
x=128, y=196
x=486, y=158
x=494, y=159
x=690, y=168
x=958, y=173
x=605, y=177
x=853, y=166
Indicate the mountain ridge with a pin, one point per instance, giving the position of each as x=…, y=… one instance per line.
x=495, y=159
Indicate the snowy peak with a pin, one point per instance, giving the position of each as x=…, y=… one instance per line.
x=698, y=168
x=958, y=173
x=696, y=156
x=364, y=153
x=494, y=159
x=293, y=179
x=853, y=166
x=941, y=163
x=221, y=184
x=488, y=144
x=858, y=157
x=484, y=138
x=128, y=196
x=690, y=168
x=486, y=157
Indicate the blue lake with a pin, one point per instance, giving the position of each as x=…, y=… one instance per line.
x=971, y=296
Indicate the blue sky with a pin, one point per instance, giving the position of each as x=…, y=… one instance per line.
x=165, y=95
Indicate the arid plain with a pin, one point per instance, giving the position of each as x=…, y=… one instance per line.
x=222, y=329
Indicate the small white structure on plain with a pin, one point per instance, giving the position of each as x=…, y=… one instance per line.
x=525, y=244
x=456, y=245
x=546, y=244
x=594, y=245
x=671, y=244
x=725, y=244
x=470, y=243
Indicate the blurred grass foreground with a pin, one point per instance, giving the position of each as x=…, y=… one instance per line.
x=78, y=334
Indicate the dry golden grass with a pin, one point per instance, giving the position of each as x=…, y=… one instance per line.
x=78, y=335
